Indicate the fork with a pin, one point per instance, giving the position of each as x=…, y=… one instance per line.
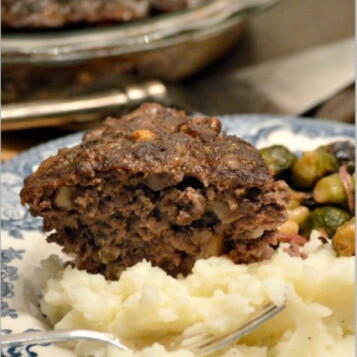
x=200, y=344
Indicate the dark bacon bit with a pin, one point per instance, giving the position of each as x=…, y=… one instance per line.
x=291, y=238
x=309, y=201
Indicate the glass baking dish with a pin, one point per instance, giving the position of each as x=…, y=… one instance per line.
x=62, y=63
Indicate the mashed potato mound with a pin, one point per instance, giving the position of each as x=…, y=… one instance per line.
x=146, y=305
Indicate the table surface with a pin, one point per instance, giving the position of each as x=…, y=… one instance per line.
x=292, y=25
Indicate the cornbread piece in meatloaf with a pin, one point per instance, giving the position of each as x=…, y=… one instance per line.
x=57, y=13
x=157, y=185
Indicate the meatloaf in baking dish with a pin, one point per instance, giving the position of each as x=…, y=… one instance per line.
x=160, y=186
x=57, y=13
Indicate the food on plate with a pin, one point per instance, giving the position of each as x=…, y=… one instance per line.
x=344, y=152
x=147, y=306
x=298, y=214
x=159, y=211
x=330, y=189
x=326, y=219
x=322, y=185
x=311, y=166
x=160, y=186
x=278, y=158
x=57, y=13
x=344, y=239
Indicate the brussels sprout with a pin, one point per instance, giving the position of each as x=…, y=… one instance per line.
x=311, y=166
x=330, y=189
x=344, y=152
x=326, y=218
x=278, y=159
x=344, y=239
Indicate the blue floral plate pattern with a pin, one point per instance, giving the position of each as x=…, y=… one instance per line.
x=23, y=243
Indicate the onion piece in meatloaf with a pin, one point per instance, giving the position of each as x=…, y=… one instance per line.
x=159, y=186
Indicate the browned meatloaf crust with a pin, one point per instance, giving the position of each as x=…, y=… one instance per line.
x=156, y=185
x=56, y=13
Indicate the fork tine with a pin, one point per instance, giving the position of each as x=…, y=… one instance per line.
x=202, y=339
x=195, y=340
x=209, y=346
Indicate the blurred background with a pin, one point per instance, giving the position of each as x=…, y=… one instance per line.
x=215, y=59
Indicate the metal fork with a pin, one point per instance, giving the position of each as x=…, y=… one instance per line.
x=200, y=344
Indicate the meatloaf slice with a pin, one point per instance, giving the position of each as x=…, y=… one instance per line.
x=59, y=13
x=160, y=186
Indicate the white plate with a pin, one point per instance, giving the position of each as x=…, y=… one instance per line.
x=24, y=245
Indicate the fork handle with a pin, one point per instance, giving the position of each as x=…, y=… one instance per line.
x=27, y=338
x=40, y=113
